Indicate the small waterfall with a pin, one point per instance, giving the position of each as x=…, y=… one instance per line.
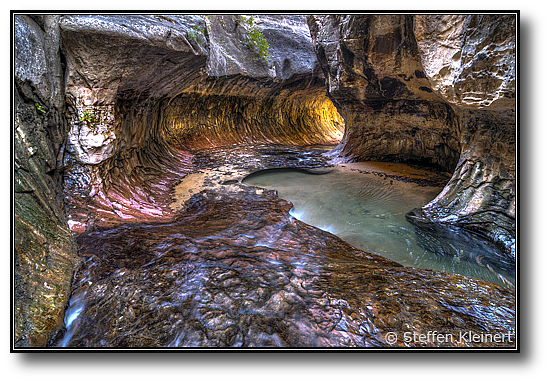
x=76, y=306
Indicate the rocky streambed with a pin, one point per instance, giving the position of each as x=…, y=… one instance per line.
x=136, y=138
x=231, y=267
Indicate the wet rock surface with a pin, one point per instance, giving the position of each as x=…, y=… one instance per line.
x=232, y=268
x=177, y=251
x=438, y=89
x=45, y=254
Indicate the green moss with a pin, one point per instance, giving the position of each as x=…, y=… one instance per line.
x=198, y=35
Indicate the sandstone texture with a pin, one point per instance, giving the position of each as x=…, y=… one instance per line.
x=133, y=132
x=436, y=89
x=376, y=80
x=113, y=59
x=479, y=81
x=45, y=256
x=469, y=59
x=139, y=86
x=278, y=98
x=232, y=268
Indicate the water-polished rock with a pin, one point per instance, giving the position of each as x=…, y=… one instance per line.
x=232, y=268
x=431, y=88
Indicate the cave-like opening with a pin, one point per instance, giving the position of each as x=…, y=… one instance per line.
x=301, y=118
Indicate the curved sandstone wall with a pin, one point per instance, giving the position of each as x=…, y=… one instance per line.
x=189, y=82
x=106, y=103
x=470, y=60
x=300, y=118
x=435, y=89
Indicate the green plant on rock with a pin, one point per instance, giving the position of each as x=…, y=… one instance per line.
x=195, y=33
x=91, y=119
x=88, y=117
x=40, y=108
x=255, y=39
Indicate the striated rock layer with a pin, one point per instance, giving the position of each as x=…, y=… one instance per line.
x=292, y=118
x=45, y=256
x=187, y=74
x=232, y=268
x=183, y=82
x=116, y=104
x=125, y=88
x=479, y=82
x=435, y=89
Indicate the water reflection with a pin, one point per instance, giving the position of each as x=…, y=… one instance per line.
x=233, y=269
x=369, y=212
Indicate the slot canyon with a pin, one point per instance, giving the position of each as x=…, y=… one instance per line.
x=274, y=181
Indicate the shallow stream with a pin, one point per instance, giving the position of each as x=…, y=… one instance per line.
x=365, y=207
x=226, y=266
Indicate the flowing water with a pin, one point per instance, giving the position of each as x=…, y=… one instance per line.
x=226, y=265
x=368, y=211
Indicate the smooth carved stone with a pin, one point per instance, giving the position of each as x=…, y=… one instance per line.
x=233, y=269
x=438, y=89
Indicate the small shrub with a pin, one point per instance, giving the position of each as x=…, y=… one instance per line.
x=195, y=33
x=87, y=117
x=255, y=39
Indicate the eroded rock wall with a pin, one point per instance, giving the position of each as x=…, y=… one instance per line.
x=255, y=96
x=142, y=88
x=120, y=68
x=116, y=60
x=376, y=80
x=292, y=118
x=470, y=60
x=127, y=90
x=435, y=89
x=44, y=251
x=481, y=194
